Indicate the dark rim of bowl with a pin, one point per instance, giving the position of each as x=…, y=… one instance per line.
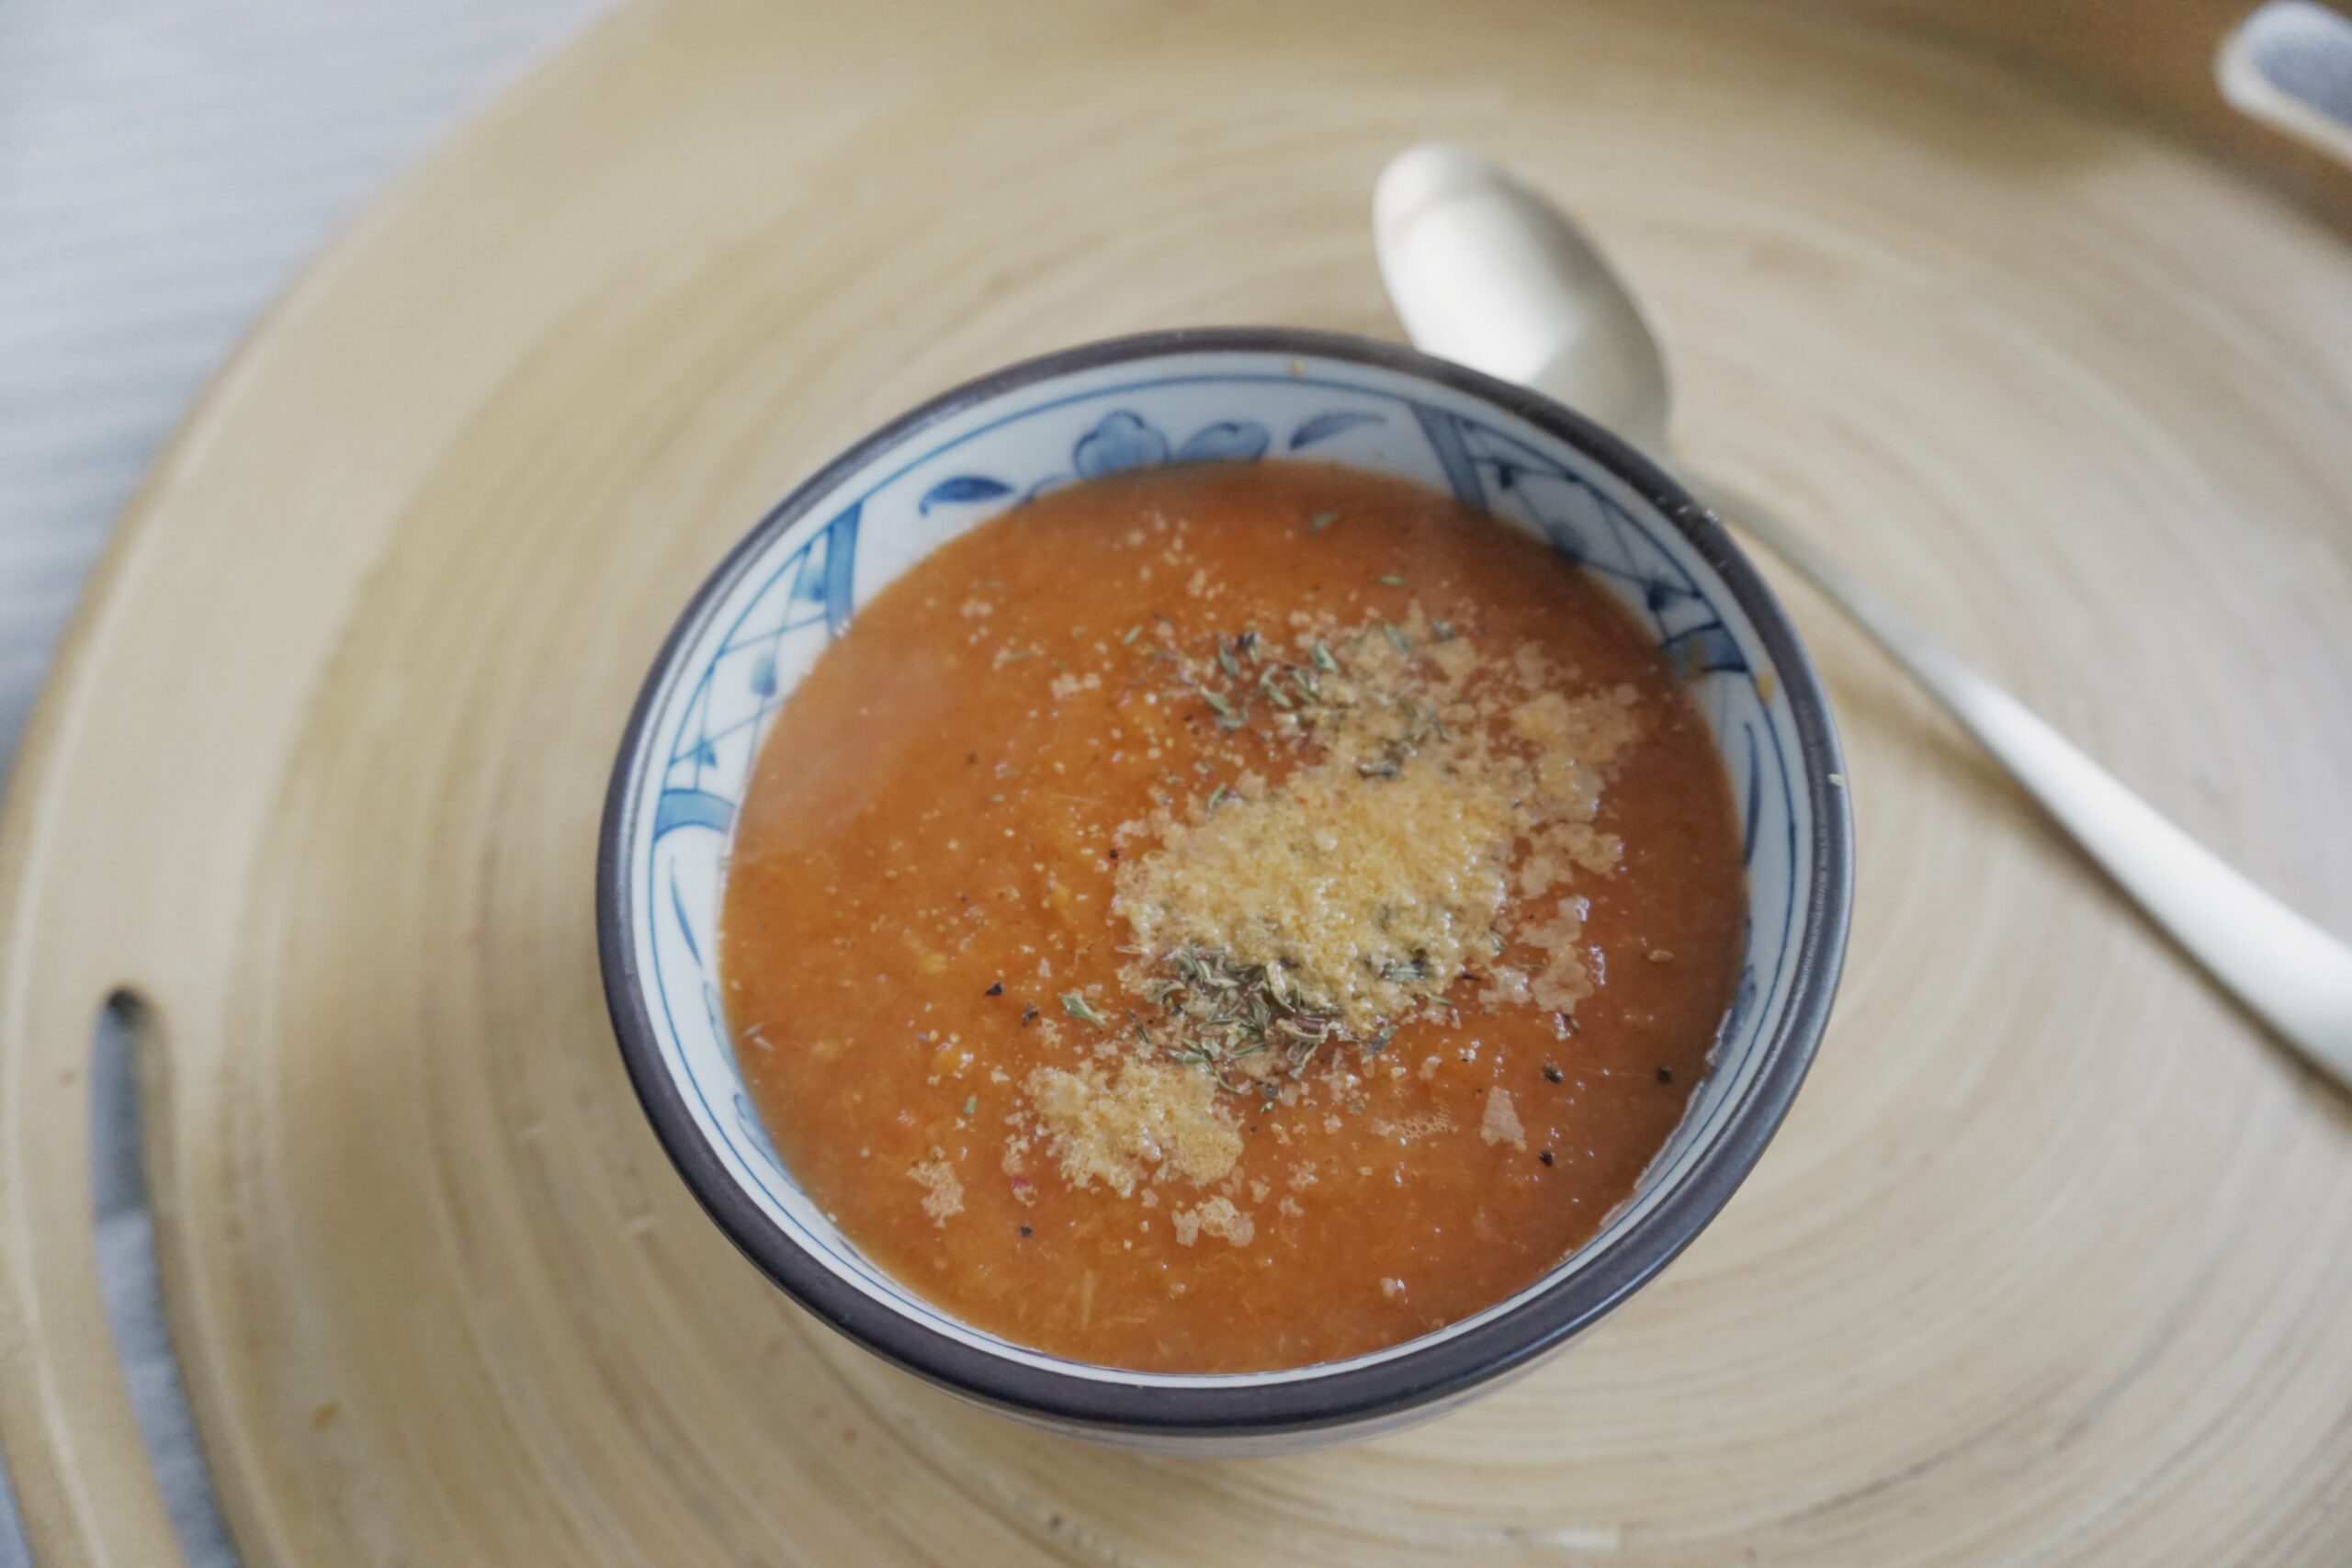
x=1418, y=1376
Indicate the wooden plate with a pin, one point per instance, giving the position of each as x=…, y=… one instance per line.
x=2053, y=1261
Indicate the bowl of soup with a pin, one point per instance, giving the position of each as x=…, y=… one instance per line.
x=1226, y=889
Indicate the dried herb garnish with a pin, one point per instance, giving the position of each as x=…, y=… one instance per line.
x=971, y=1104
x=1218, y=1014
x=1390, y=579
x=1079, y=1007
x=1321, y=521
x=1406, y=971
x=1244, y=1022
x=996, y=990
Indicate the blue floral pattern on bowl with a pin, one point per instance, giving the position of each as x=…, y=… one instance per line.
x=771, y=613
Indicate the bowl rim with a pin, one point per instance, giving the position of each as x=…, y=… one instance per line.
x=1445, y=1369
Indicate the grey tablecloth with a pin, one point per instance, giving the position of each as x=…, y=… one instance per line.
x=165, y=167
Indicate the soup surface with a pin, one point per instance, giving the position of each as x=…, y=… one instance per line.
x=1230, y=917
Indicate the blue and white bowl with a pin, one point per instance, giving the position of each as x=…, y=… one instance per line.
x=770, y=607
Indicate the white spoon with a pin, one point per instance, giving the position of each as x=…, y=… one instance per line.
x=1485, y=271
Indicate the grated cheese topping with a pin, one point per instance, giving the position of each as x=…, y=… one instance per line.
x=1441, y=813
x=1500, y=1124
x=942, y=1190
x=1151, y=1118
x=1449, y=780
x=1218, y=1217
x=1332, y=877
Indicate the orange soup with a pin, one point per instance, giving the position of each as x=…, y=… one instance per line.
x=1230, y=917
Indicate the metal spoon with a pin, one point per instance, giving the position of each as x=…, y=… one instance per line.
x=1486, y=273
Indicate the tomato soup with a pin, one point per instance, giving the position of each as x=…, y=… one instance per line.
x=1230, y=917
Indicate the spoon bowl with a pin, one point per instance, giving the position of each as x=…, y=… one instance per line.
x=1548, y=309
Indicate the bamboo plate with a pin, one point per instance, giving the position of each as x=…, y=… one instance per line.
x=2053, y=1261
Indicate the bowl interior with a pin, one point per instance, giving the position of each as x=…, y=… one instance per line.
x=797, y=582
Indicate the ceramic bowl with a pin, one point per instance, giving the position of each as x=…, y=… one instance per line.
x=769, y=609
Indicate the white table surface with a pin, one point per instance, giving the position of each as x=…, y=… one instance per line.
x=166, y=166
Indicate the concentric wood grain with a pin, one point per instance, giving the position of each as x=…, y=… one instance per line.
x=2052, y=1263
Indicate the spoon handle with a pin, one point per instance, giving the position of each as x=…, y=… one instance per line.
x=2284, y=969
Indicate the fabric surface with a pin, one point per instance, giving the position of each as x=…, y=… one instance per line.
x=166, y=166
